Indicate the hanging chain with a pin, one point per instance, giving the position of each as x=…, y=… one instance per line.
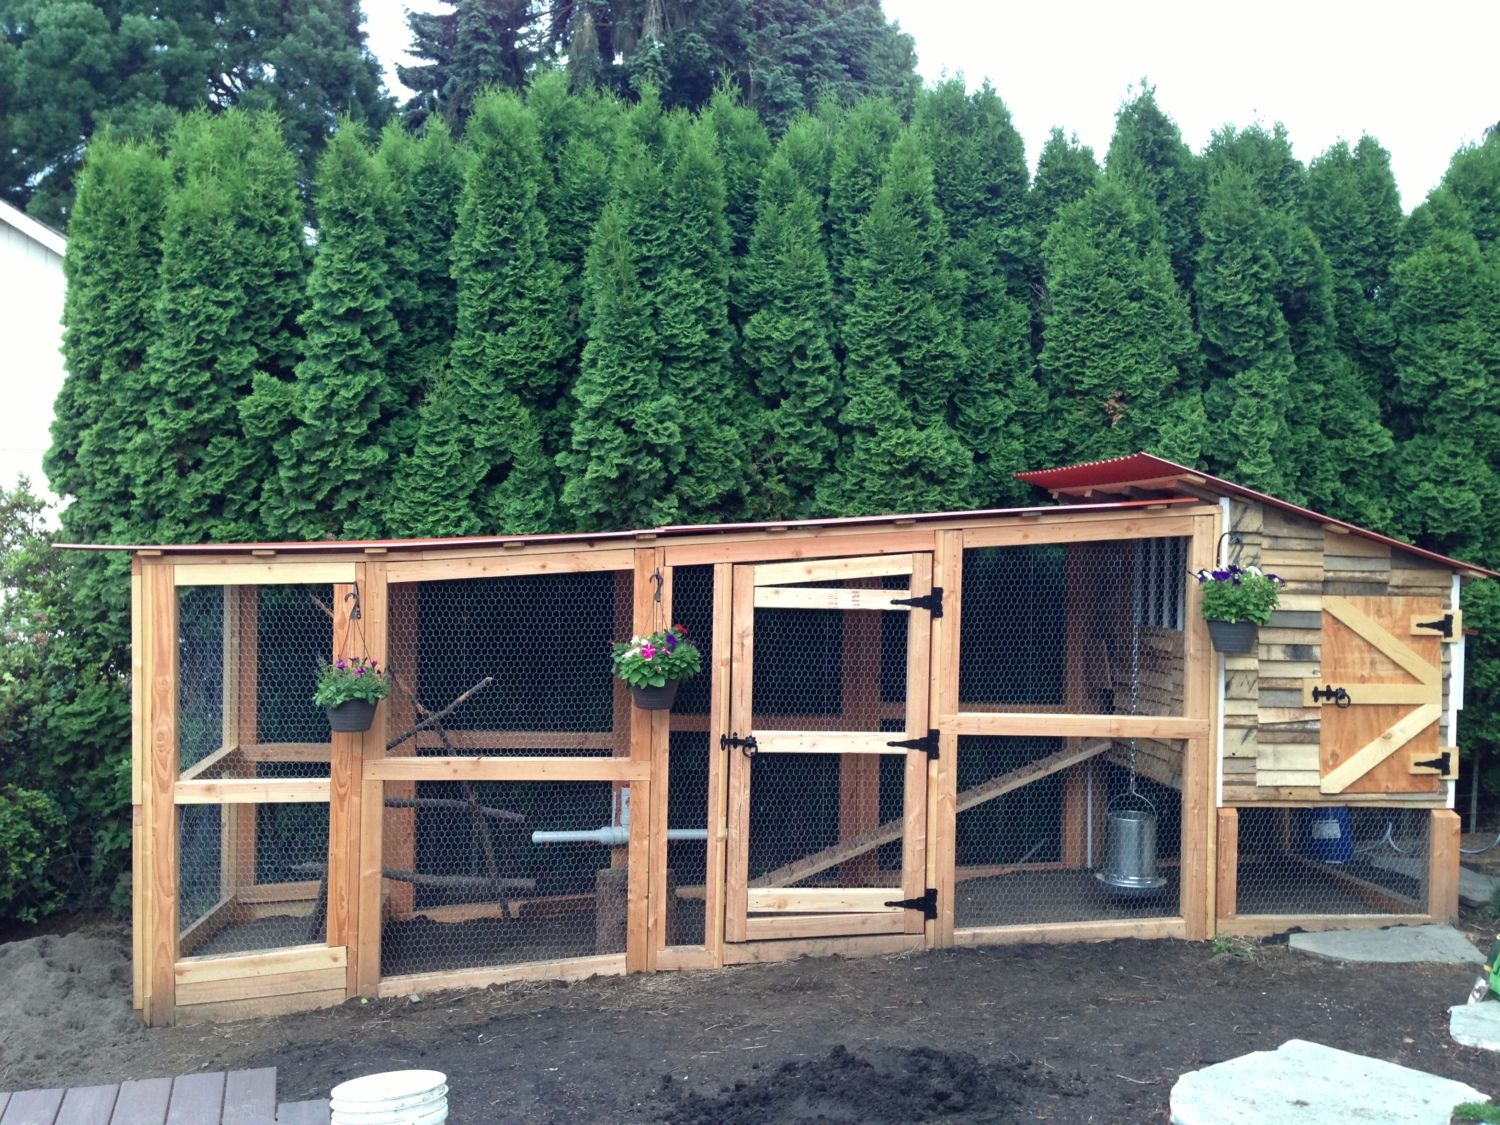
x=1135, y=653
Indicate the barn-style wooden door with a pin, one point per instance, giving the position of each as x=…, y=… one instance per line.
x=1381, y=694
x=828, y=748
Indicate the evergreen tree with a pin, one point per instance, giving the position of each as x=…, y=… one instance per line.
x=781, y=55
x=744, y=147
x=334, y=470
x=506, y=370
x=1353, y=207
x=233, y=262
x=1119, y=358
x=627, y=433
x=1147, y=152
x=425, y=180
x=112, y=266
x=1246, y=341
x=788, y=345
x=807, y=146
x=696, y=339
x=1447, y=393
x=71, y=67
x=980, y=185
x=478, y=44
x=905, y=350
x=861, y=148
x=1065, y=171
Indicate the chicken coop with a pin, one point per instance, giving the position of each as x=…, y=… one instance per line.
x=910, y=731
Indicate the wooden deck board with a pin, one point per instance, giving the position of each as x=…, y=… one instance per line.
x=250, y=1097
x=143, y=1102
x=196, y=1099
x=304, y=1113
x=240, y=1097
x=33, y=1107
x=88, y=1105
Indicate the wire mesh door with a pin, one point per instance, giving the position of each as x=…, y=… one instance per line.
x=827, y=751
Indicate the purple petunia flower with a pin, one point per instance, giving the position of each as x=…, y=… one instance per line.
x=359, y=671
x=671, y=641
x=341, y=665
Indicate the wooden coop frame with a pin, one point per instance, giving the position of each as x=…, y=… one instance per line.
x=1219, y=711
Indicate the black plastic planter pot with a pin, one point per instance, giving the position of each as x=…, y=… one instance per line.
x=1232, y=637
x=352, y=716
x=656, y=698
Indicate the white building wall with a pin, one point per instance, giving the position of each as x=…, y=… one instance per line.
x=31, y=363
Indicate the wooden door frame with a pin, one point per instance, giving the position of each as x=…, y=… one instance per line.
x=738, y=927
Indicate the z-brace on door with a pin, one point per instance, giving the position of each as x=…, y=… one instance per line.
x=1380, y=689
x=828, y=750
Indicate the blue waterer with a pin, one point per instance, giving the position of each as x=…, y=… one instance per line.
x=1329, y=839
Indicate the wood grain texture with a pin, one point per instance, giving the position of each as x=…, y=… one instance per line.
x=718, y=761
x=1442, y=867
x=1226, y=881
x=160, y=608
x=87, y=1105
x=250, y=1097
x=1369, y=748
x=142, y=1102
x=196, y=1099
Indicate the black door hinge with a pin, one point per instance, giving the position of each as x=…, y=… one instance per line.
x=926, y=903
x=1440, y=763
x=1443, y=625
x=932, y=601
x=928, y=742
x=747, y=744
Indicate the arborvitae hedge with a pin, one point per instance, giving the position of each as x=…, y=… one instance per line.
x=584, y=315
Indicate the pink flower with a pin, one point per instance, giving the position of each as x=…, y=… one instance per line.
x=648, y=650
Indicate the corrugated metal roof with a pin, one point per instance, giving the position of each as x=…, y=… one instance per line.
x=332, y=545
x=1148, y=469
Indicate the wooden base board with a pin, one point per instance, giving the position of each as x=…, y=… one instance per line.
x=765, y=952
x=570, y=969
x=1064, y=932
x=1266, y=925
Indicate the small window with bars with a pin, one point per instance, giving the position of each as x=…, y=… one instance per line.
x=1161, y=593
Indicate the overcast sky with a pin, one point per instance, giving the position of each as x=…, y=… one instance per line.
x=1423, y=79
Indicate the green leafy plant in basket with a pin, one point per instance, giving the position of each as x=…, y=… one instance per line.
x=653, y=666
x=1235, y=601
x=349, y=690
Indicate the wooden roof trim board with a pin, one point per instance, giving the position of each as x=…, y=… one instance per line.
x=619, y=538
x=1146, y=471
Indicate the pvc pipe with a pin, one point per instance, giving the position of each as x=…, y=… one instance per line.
x=611, y=836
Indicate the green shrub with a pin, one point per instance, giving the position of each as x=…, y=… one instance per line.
x=1477, y=1111
x=32, y=832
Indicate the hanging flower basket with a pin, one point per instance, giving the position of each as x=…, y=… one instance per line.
x=1236, y=601
x=653, y=666
x=655, y=698
x=351, y=716
x=1233, y=637
x=348, y=691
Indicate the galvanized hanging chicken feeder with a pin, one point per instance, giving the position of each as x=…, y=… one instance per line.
x=1129, y=866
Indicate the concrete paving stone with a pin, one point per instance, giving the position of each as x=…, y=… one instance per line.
x=1474, y=887
x=1476, y=1025
x=1310, y=1084
x=1393, y=945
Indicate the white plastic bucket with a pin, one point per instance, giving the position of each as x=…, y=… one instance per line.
x=397, y=1097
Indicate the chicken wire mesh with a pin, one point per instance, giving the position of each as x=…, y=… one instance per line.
x=248, y=659
x=514, y=666
x=1036, y=842
x=688, y=761
x=1332, y=860
x=251, y=877
x=483, y=874
x=1086, y=628
x=826, y=819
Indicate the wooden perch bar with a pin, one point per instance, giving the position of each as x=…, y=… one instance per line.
x=434, y=718
x=459, y=882
x=892, y=830
x=450, y=803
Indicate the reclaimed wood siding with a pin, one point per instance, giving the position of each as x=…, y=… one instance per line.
x=1270, y=738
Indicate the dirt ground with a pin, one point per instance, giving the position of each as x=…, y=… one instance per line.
x=1073, y=1033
